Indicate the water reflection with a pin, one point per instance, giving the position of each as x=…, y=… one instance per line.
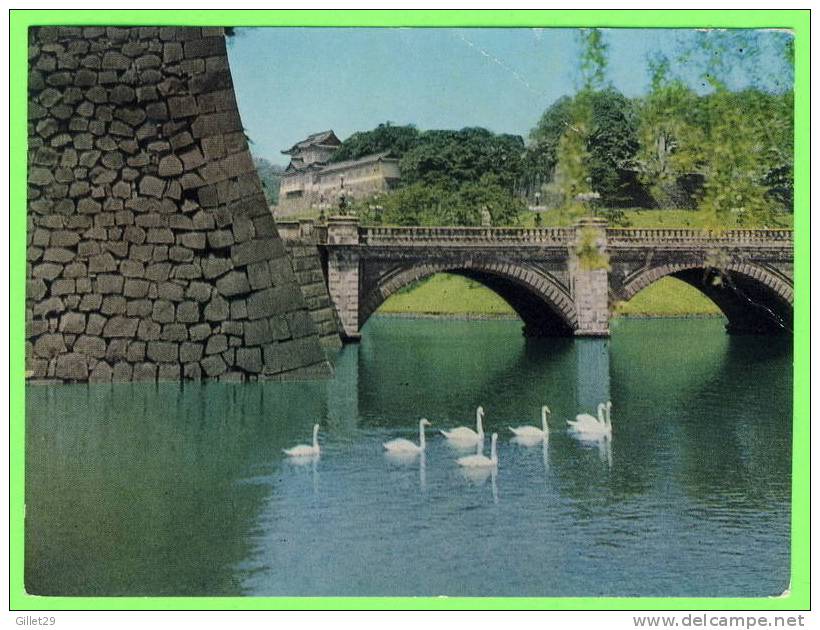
x=169, y=489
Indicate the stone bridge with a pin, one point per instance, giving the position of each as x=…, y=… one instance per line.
x=560, y=281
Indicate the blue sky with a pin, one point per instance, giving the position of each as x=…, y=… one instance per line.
x=294, y=81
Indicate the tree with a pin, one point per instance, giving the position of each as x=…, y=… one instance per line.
x=386, y=137
x=451, y=158
x=593, y=59
x=612, y=143
x=542, y=152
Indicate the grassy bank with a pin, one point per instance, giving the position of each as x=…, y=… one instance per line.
x=446, y=294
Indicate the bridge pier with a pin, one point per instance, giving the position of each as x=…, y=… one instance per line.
x=343, y=272
x=589, y=277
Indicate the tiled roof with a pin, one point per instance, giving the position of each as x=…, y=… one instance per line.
x=321, y=138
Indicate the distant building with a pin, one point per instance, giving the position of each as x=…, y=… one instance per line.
x=312, y=181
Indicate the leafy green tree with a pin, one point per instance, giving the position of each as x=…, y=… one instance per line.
x=612, y=143
x=386, y=137
x=542, y=153
x=451, y=158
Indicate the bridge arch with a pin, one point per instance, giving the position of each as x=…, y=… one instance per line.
x=753, y=298
x=545, y=307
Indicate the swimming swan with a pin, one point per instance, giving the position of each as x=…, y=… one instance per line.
x=479, y=460
x=400, y=445
x=586, y=425
x=534, y=432
x=303, y=450
x=465, y=436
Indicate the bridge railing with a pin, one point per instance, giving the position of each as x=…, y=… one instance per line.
x=690, y=237
x=464, y=235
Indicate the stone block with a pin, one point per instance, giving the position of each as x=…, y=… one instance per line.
x=257, y=332
x=47, y=271
x=113, y=305
x=63, y=286
x=91, y=302
x=214, y=365
x=239, y=309
x=102, y=373
x=72, y=323
x=75, y=270
x=259, y=276
x=46, y=307
x=148, y=330
x=216, y=344
x=215, y=267
x=188, y=312
x=145, y=372
x=122, y=373
x=174, y=332
x=170, y=291
x=187, y=271
x=135, y=288
x=136, y=351
x=90, y=346
x=121, y=327
x=139, y=308
x=169, y=166
x=109, y=283
x=273, y=301
x=300, y=324
x=192, y=240
x=49, y=345
x=189, y=352
x=163, y=311
x=217, y=309
x=35, y=289
x=160, y=235
x=249, y=359
x=72, y=367
x=102, y=263
x=233, y=283
x=151, y=186
x=158, y=272
x=168, y=372
x=180, y=254
x=162, y=351
x=132, y=269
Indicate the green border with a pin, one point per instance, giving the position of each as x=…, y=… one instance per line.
x=797, y=20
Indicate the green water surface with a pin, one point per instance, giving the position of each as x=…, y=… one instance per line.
x=182, y=489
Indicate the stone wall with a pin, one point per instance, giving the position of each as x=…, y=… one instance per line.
x=152, y=253
x=304, y=257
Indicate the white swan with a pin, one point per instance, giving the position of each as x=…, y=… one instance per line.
x=400, y=445
x=479, y=460
x=534, y=432
x=303, y=450
x=465, y=436
x=586, y=425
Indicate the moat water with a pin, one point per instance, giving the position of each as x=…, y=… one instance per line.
x=183, y=489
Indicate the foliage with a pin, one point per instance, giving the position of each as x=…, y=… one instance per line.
x=542, y=152
x=386, y=137
x=426, y=204
x=587, y=142
x=269, y=174
x=451, y=158
x=593, y=59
